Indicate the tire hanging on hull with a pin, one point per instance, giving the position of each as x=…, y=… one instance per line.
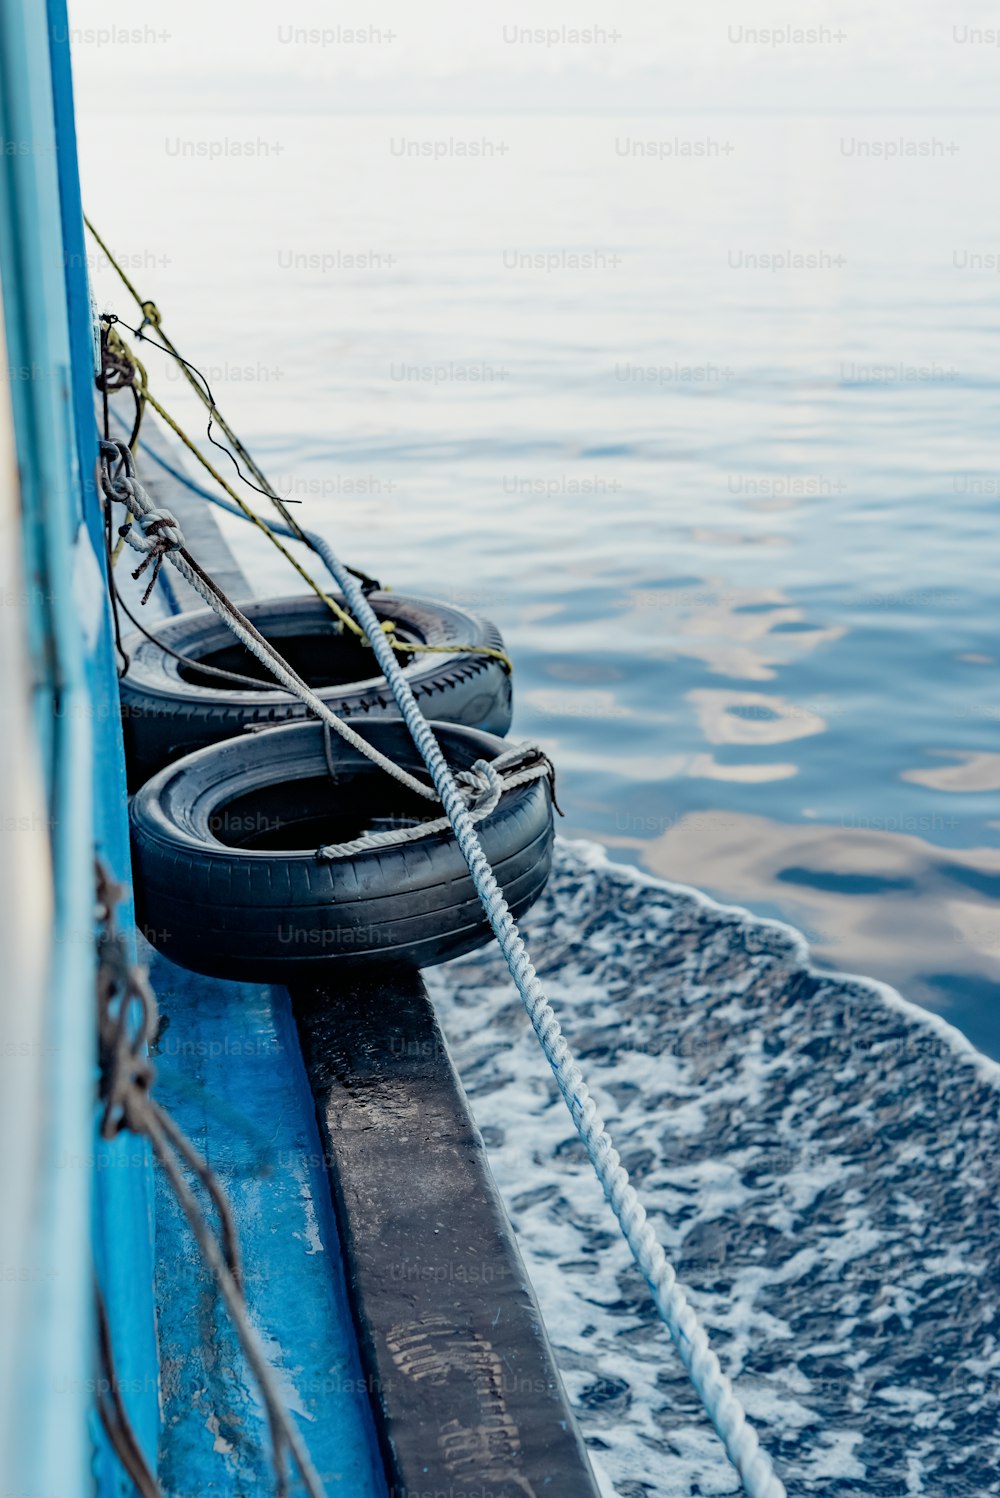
x=171, y=708
x=228, y=882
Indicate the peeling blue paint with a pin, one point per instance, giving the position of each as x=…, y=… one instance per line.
x=230, y=1071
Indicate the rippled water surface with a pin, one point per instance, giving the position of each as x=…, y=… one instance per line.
x=738, y=524
x=819, y=1162
x=735, y=513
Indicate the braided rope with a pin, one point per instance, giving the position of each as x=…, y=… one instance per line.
x=690, y=1339
x=713, y=1387
x=127, y=490
x=483, y=780
x=275, y=528
x=164, y=534
x=162, y=526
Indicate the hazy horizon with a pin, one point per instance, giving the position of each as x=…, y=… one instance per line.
x=553, y=57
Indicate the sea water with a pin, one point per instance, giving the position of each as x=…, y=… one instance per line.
x=735, y=515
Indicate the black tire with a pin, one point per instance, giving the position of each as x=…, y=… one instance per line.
x=169, y=709
x=223, y=886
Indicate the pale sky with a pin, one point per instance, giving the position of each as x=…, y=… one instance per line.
x=647, y=55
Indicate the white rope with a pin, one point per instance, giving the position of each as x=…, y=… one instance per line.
x=161, y=525
x=485, y=783
x=724, y=1410
x=713, y=1387
x=129, y=492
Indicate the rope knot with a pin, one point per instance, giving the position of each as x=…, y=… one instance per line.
x=164, y=534
x=484, y=787
x=163, y=528
x=151, y=314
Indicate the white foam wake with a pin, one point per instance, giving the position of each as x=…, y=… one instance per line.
x=820, y=1158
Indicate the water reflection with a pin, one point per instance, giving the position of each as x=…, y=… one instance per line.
x=707, y=767
x=742, y=632
x=971, y=772
x=563, y=703
x=889, y=904
x=751, y=717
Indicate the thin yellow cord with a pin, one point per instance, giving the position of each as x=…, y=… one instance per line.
x=151, y=314
x=413, y=647
x=117, y=342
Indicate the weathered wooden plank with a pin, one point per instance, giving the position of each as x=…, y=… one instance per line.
x=467, y=1396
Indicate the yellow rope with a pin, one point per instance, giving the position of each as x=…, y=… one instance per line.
x=388, y=626
x=151, y=313
x=118, y=343
x=412, y=647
